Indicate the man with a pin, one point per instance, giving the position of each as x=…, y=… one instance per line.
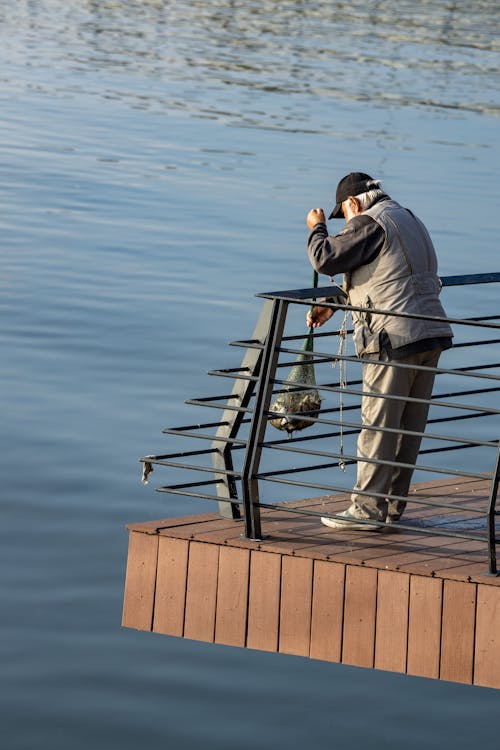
x=389, y=263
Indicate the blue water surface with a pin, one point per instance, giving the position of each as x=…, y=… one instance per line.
x=157, y=162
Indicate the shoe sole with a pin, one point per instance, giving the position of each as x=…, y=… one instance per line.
x=350, y=525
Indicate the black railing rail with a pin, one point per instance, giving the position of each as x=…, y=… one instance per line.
x=241, y=435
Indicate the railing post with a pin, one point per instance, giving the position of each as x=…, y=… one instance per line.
x=263, y=395
x=231, y=420
x=492, y=555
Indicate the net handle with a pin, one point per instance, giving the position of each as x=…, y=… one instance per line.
x=311, y=329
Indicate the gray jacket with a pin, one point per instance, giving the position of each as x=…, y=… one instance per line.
x=402, y=278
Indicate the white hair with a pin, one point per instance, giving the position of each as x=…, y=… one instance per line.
x=371, y=195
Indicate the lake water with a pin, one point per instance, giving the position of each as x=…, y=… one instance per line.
x=157, y=163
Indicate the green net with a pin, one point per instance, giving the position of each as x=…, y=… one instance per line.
x=296, y=407
x=300, y=402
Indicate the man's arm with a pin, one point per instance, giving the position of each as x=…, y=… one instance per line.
x=358, y=243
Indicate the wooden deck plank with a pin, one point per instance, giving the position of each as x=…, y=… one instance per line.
x=202, y=531
x=153, y=527
x=264, y=601
x=427, y=567
x=323, y=543
x=171, y=581
x=391, y=630
x=427, y=561
x=232, y=596
x=487, y=649
x=457, y=640
x=199, y=621
x=380, y=550
x=295, y=611
x=427, y=551
x=327, y=611
x=424, y=626
x=359, y=616
x=140, y=581
x=470, y=572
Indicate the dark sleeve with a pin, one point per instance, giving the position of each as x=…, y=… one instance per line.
x=359, y=242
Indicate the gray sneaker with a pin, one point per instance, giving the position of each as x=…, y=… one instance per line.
x=350, y=523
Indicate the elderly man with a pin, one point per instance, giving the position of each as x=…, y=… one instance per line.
x=389, y=263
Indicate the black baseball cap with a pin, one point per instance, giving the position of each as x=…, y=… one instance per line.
x=352, y=184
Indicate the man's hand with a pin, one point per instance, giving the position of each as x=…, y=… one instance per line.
x=318, y=316
x=315, y=216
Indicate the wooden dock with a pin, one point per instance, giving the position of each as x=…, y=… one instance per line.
x=407, y=602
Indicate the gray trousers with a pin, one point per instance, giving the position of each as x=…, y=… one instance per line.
x=390, y=446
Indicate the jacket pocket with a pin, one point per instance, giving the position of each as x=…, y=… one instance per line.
x=365, y=342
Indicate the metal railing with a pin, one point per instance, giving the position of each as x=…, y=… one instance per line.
x=234, y=456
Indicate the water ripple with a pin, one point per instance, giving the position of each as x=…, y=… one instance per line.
x=192, y=54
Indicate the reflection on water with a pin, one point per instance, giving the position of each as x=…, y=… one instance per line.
x=190, y=56
x=158, y=160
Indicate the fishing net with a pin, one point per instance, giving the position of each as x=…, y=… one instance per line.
x=297, y=406
x=299, y=403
